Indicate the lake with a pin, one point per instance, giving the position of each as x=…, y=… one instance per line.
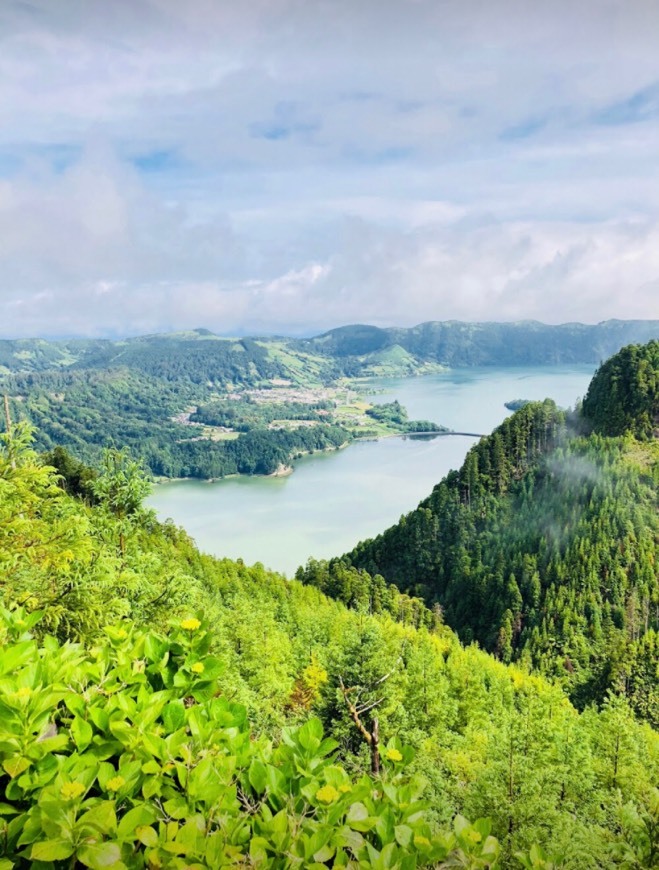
x=333, y=500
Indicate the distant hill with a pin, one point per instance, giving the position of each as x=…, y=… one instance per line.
x=456, y=343
x=349, y=350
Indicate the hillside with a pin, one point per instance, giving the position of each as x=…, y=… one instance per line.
x=157, y=739
x=624, y=394
x=190, y=404
x=455, y=343
x=543, y=547
x=158, y=394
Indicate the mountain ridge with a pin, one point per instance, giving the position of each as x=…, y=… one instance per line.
x=426, y=340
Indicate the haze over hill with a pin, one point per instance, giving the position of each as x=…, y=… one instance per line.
x=459, y=343
x=542, y=547
x=451, y=342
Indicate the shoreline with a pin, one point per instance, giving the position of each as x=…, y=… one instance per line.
x=281, y=471
x=287, y=470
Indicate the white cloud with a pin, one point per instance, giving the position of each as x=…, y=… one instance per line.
x=283, y=165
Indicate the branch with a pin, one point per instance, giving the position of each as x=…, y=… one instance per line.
x=355, y=713
x=367, y=707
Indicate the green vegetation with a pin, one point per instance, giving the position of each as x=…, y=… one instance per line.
x=543, y=546
x=394, y=416
x=454, y=343
x=624, y=394
x=183, y=425
x=336, y=720
x=124, y=756
x=247, y=414
x=144, y=393
x=392, y=413
x=125, y=736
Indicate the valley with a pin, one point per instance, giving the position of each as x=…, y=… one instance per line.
x=497, y=644
x=329, y=435
x=264, y=402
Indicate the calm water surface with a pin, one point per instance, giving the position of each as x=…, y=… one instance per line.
x=334, y=500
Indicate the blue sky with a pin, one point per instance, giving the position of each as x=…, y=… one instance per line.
x=293, y=165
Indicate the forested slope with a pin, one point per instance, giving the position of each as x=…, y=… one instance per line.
x=132, y=747
x=456, y=343
x=624, y=394
x=543, y=547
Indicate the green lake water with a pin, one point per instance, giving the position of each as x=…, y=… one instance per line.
x=333, y=500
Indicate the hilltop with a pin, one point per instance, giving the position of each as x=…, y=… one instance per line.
x=456, y=343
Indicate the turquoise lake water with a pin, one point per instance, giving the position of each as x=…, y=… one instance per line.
x=333, y=500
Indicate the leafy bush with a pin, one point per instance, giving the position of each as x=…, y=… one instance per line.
x=126, y=754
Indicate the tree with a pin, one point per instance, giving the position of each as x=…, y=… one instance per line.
x=121, y=488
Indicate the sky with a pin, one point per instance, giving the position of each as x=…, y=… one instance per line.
x=288, y=166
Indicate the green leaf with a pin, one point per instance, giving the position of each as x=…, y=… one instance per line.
x=388, y=856
x=155, y=648
x=100, y=718
x=324, y=854
x=483, y=826
x=257, y=775
x=173, y=715
x=100, y=855
x=258, y=849
x=352, y=839
x=327, y=746
x=52, y=850
x=144, y=814
x=75, y=703
x=177, y=808
x=491, y=847
x=16, y=766
x=82, y=733
x=17, y=655
x=101, y=818
x=276, y=781
x=152, y=787
x=146, y=835
x=310, y=734
x=357, y=813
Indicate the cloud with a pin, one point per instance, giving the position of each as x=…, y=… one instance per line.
x=280, y=165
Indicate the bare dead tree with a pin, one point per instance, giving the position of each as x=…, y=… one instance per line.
x=358, y=709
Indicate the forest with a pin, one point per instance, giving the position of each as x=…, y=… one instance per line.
x=160, y=403
x=163, y=708
x=542, y=547
x=142, y=393
x=454, y=343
